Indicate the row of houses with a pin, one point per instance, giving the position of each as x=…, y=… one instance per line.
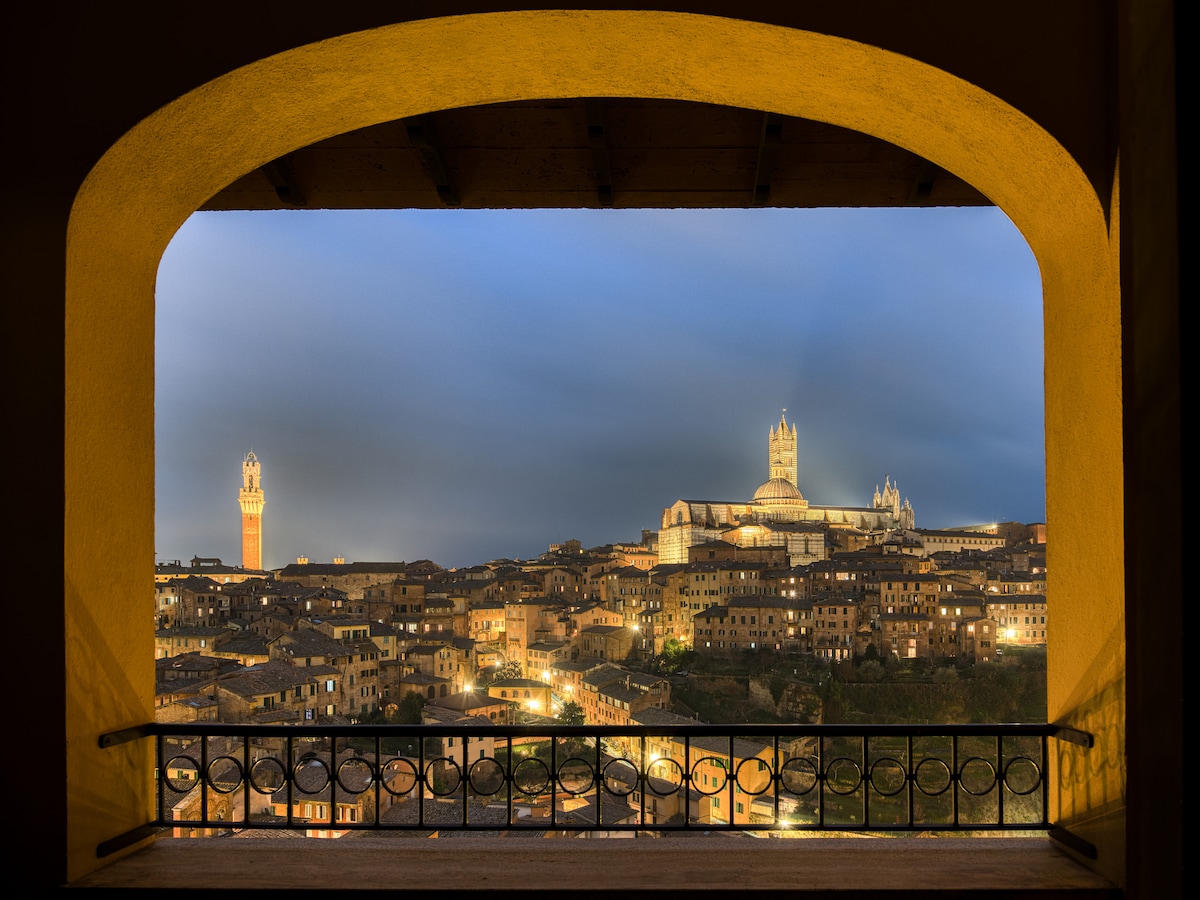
x=311, y=649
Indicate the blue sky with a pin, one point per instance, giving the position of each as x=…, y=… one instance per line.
x=462, y=385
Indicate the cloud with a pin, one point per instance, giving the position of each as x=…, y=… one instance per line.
x=462, y=385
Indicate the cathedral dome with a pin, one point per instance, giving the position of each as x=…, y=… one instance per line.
x=778, y=490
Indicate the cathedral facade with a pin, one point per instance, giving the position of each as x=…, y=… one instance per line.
x=778, y=514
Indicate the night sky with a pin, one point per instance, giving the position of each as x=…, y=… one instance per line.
x=465, y=385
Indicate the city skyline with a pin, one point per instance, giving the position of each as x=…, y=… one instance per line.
x=465, y=385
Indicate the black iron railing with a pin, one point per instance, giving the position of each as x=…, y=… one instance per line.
x=219, y=778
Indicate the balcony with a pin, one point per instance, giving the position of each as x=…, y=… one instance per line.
x=369, y=785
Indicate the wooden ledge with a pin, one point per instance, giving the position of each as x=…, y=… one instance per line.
x=815, y=867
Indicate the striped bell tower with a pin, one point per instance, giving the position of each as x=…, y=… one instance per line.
x=251, y=499
x=781, y=452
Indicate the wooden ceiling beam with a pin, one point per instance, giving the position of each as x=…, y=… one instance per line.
x=422, y=134
x=598, y=141
x=768, y=150
x=282, y=176
x=532, y=154
x=921, y=186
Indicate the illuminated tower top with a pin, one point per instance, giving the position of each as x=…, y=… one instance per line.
x=251, y=500
x=781, y=452
x=251, y=471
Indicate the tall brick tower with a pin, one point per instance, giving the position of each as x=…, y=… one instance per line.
x=251, y=499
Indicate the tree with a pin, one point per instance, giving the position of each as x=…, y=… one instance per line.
x=409, y=710
x=375, y=717
x=675, y=655
x=871, y=671
x=511, y=669
x=508, y=669
x=571, y=714
x=832, y=701
x=945, y=674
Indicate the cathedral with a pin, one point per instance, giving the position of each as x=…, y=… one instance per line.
x=778, y=514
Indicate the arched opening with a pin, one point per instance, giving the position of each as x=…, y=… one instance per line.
x=159, y=172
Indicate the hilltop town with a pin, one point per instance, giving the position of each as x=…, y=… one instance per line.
x=598, y=627
x=776, y=586
x=773, y=610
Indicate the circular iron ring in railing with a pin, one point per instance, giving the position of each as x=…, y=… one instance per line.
x=359, y=765
x=571, y=776
x=893, y=775
x=398, y=776
x=1033, y=775
x=307, y=765
x=216, y=784
x=486, y=777
x=430, y=771
x=181, y=784
x=260, y=779
x=524, y=781
x=833, y=774
x=717, y=763
x=928, y=779
x=798, y=776
x=624, y=773
x=676, y=779
x=748, y=782
x=985, y=781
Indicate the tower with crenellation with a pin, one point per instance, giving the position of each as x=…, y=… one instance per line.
x=251, y=500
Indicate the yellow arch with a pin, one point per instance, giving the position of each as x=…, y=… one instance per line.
x=151, y=180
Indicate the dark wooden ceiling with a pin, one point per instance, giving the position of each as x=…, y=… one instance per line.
x=594, y=153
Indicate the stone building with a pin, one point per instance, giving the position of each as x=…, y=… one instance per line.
x=208, y=566
x=753, y=623
x=352, y=577
x=275, y=692
x=1022, y=618
x=977, y=639
x=532, y=695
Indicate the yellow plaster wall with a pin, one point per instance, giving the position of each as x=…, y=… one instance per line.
x=158, y=173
